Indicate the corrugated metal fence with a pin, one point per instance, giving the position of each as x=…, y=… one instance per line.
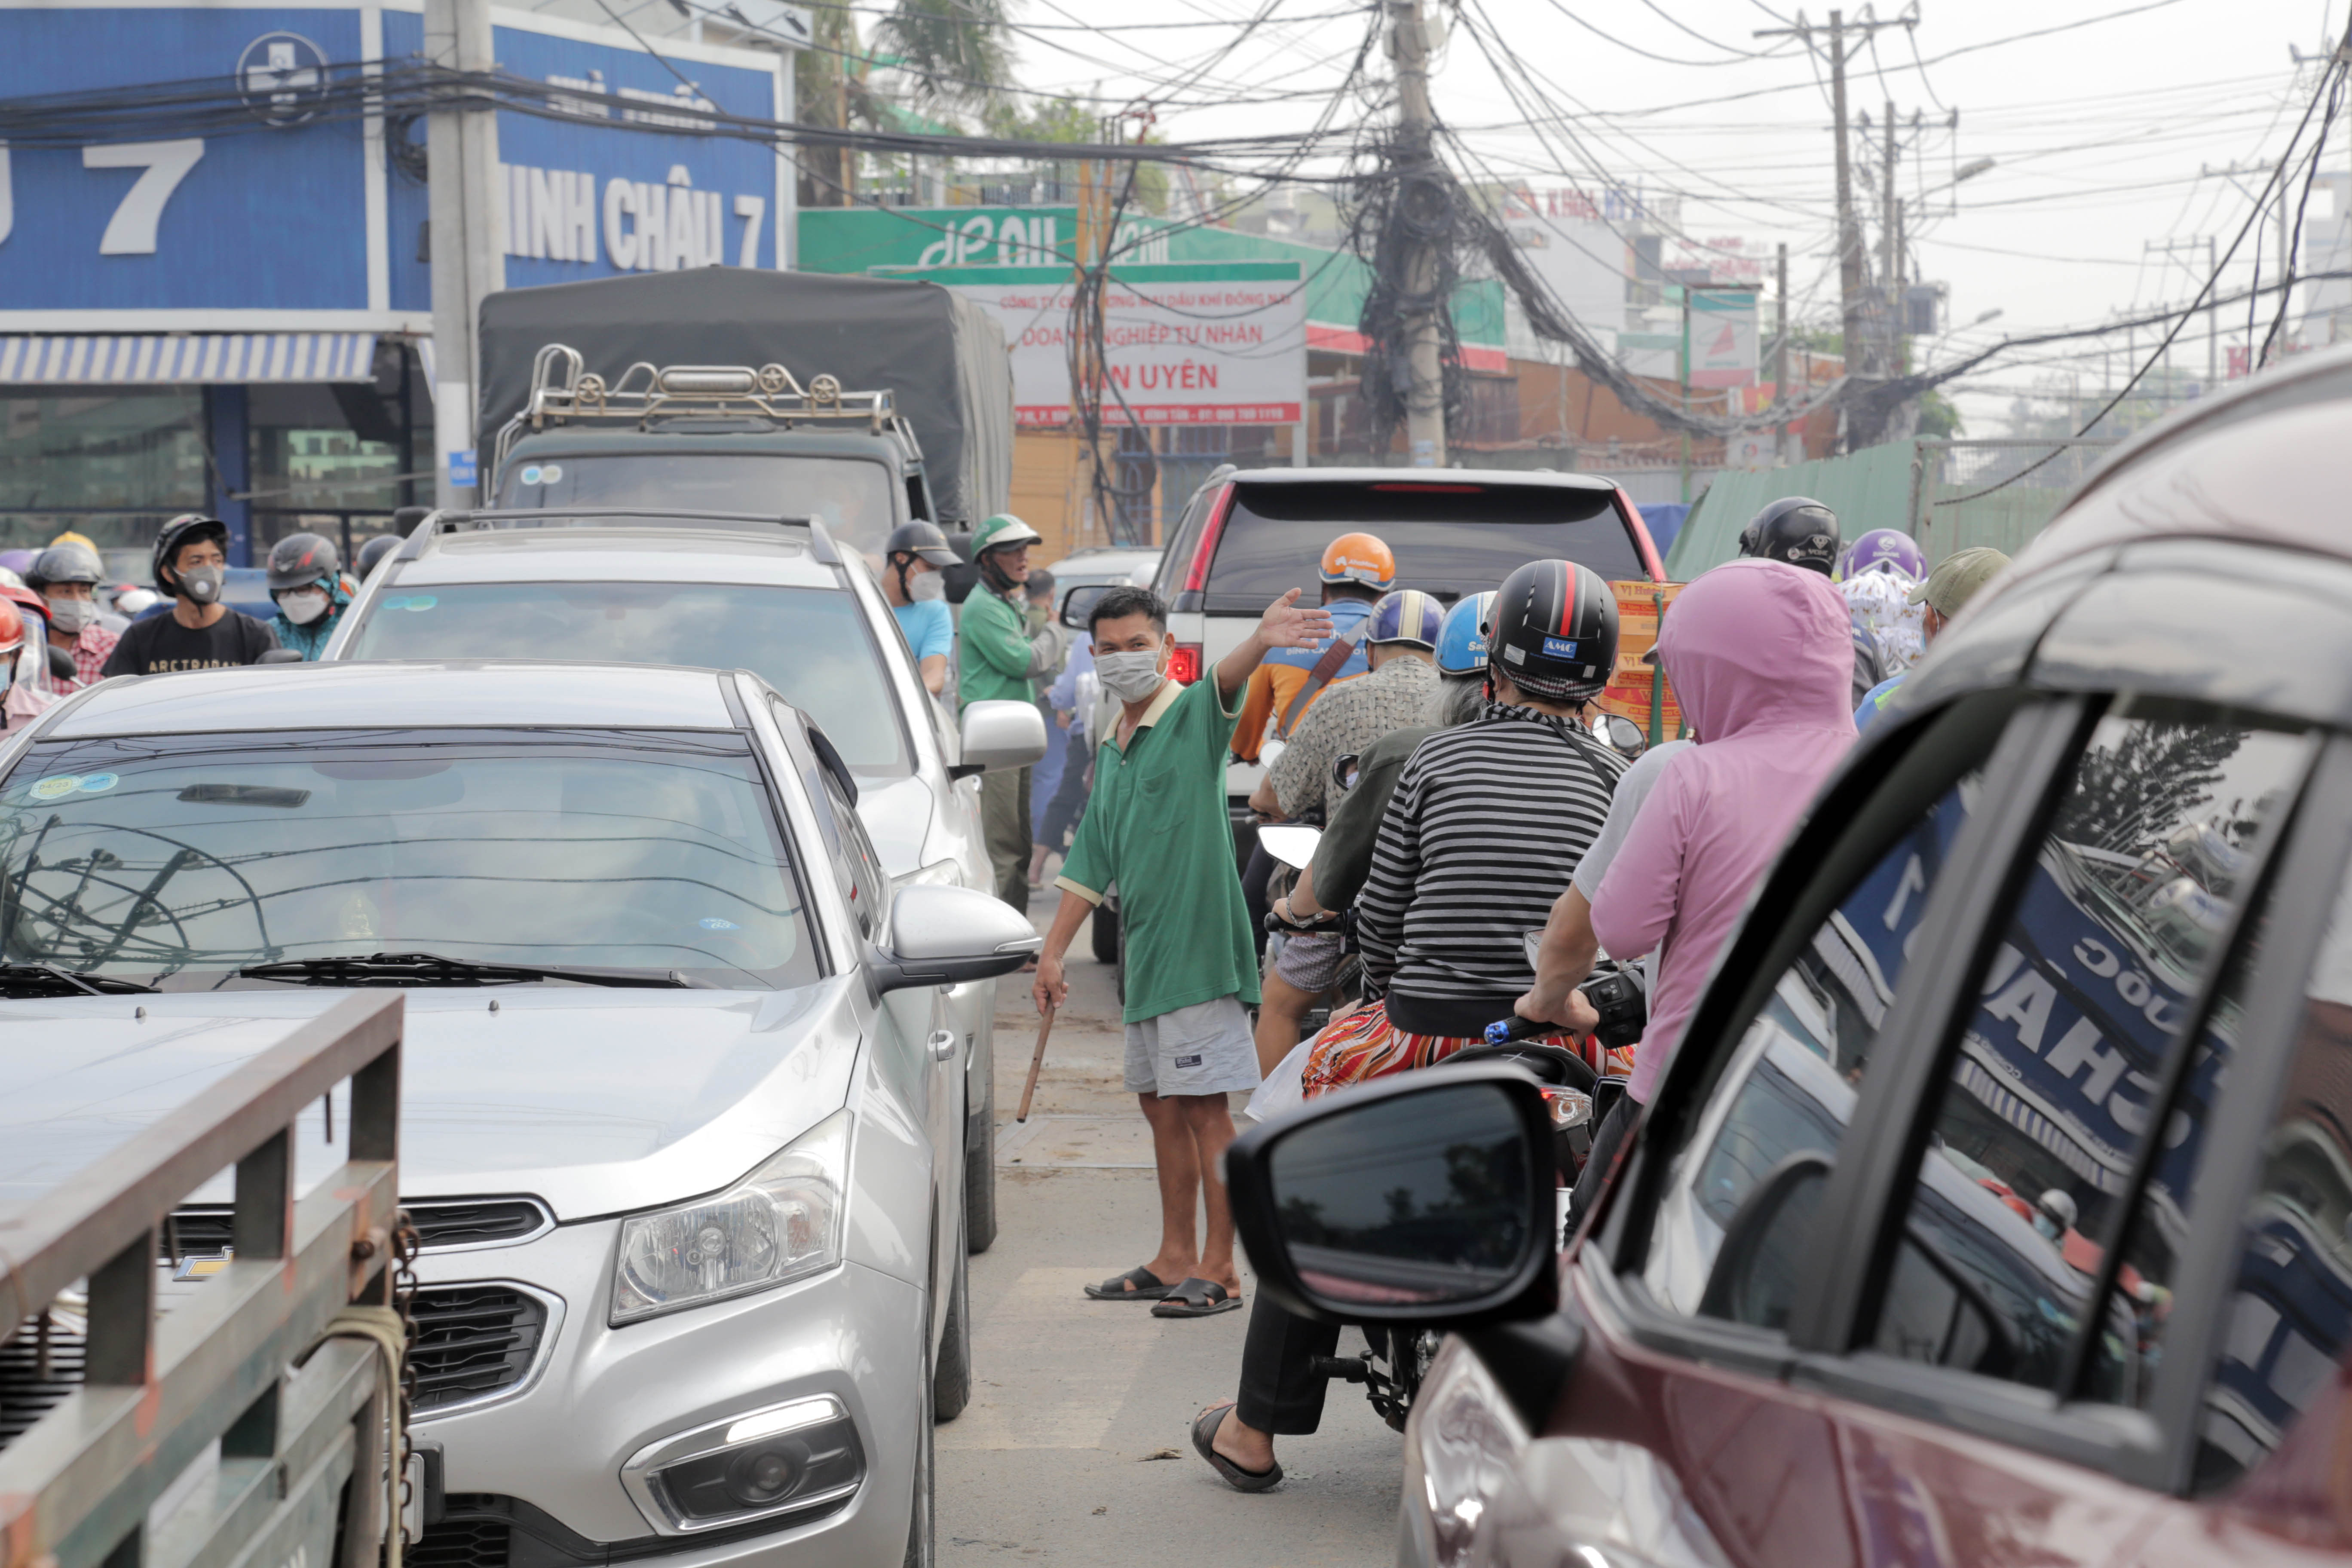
x=1932, y=491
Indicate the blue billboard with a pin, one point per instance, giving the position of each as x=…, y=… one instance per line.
x=291, y=220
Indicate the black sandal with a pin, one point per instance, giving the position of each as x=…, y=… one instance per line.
x=1137, y=1284
x=1196, y=1298
x=1204, y=1443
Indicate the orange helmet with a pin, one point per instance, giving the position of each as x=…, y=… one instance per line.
x=1359, y=558
x=12, y=628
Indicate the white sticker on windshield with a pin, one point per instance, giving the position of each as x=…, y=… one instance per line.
x=712, y=922
x=530, y=475
x=421, y=602
x=551, y=474
x=57, y=786
x=98, y=784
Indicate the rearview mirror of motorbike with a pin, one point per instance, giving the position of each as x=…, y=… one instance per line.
x=1423, y=1198
x=1080, y=602
x=1344, y=770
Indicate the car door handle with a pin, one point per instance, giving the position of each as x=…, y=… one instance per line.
x=943, y=1044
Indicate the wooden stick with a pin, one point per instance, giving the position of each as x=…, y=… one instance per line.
x=1029, y=1089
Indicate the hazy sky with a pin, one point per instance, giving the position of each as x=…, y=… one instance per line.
x=2098, y=131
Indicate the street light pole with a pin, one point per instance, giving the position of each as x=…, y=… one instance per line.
x=467, y=209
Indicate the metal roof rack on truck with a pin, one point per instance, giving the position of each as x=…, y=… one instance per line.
x=437, y=524
x=564, y=392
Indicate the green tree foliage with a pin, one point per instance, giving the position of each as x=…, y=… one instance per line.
x=1938, y=420
x=956, y=51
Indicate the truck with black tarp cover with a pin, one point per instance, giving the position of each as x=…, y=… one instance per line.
x=865, y=402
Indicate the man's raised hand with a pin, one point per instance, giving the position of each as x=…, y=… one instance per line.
x=1289, y=624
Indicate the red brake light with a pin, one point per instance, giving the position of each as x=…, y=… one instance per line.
x=1184, y=667
x=1196, y=575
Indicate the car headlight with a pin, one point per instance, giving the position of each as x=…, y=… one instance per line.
x=937, y=874
x=782, y=1222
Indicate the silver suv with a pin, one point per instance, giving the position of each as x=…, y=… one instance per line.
x=775, y=596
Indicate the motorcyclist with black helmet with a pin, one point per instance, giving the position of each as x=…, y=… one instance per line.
x=913, y=559
x=306, y=579
x=191, y=563
x=68, y=576
x=1486, y=826
x=1803, y=532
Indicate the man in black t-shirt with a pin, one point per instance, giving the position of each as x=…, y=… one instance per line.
x=201, y=633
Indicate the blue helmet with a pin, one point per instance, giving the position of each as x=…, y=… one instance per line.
x=1406, y=616
x=1462, y=641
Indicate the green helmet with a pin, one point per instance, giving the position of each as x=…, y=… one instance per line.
x=1001, y=529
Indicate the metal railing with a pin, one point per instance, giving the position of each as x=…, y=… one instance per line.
x=227, y=1364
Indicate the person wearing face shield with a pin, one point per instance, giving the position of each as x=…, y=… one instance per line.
x=998, y=658
x=306, y=578
x=191, y=563
x=912, y=561
x=67, y=576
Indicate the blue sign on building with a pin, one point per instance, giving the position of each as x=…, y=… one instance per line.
x=295, y=221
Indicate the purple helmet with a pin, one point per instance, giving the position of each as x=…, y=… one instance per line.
x=1883, y=548
x=1407, y=616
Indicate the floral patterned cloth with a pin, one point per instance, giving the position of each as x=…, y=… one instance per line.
x=1358, y=1047
x=1880, y=599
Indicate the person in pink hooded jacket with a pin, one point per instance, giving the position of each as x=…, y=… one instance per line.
x=1760, y=656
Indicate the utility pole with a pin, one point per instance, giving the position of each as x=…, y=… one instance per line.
x=467, y=209
x=2192, y=244
x=1780, y=358
x=1850, y=245
x=1425, y=404
x=1890, y=264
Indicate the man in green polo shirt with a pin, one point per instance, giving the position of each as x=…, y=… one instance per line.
x=1156, y=826
x=997, y=657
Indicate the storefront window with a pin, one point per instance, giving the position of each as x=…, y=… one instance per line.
x=109, y=465
x=328, y=459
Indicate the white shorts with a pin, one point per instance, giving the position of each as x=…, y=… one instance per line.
x=1206, y=1048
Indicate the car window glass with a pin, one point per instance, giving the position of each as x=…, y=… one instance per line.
x=851, y=496
x=2098, y=964
x=813, y=644
x=856, y=868
x=1448, y=538
x=2289, y=1322
x=1764, y=1145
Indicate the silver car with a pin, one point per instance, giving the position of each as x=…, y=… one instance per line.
x=682, y=1115
x=779, y=598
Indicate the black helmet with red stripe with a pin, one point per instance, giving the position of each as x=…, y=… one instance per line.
x=1553, y=631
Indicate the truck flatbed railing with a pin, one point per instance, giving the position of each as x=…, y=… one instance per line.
x=482, y=519
x=563, y=391
x=240, y=1361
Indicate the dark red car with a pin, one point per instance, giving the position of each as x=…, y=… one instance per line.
x=1997, y=1207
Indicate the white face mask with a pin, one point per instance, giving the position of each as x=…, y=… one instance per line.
x=304, y=606
x=73, y=615
x=930, y=585
x=1129, y=677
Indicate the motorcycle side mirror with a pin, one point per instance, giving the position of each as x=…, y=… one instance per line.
x=1625, y=736
x=61, y=664
x=1423, y=1198
x=279, y=656
x=1344, y=770
x=1078, y=603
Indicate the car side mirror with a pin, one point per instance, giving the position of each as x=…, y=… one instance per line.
x=1754, y=1279
x=945, y=936
x=1080, y=602
x=1000, y=735
x=1424, y=1197
x=279, y=656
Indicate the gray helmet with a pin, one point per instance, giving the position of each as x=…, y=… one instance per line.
x=64, y=563
x=374, y=550
x=299, y=560
x=919, y=538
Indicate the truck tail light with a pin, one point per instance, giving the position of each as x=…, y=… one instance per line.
x=1185, y=667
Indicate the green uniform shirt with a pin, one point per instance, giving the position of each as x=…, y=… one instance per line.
x=1156, y=826
x=992, y=651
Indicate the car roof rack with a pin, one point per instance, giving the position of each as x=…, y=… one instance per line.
x=485, y=519
x=563, y=391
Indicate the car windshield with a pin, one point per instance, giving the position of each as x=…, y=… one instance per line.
x=1449, y=539
x=810, y=644
x=850, y=495
x=184, y=858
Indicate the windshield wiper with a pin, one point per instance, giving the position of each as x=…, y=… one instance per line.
x=432, y=969
x=50, y=980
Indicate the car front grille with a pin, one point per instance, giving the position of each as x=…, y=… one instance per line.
x=198, y=1229
x=32, y=1384
x=472, y=1340
x=461, y=1543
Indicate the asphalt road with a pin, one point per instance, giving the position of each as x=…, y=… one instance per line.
x=1075, y=1449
